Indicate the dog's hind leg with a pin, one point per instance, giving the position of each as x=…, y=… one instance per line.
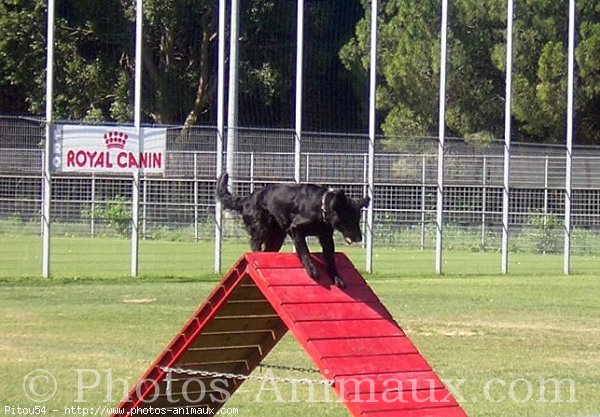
x=256, y=244
x=326, y=241
x=275, y=241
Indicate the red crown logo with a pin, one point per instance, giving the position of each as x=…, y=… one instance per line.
x=115, y=140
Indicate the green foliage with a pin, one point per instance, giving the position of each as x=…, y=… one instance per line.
x=409, y=68
x=94, y=61
x=94, y=64
x=22, y=50
x=545, y=236
x=481, y=138
x=116, y=213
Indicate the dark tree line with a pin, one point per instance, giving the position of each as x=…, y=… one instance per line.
x=95, y=49
x=94, y=61
x=410, y=65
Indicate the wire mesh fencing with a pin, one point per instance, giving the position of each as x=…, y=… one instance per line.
x=91, y=213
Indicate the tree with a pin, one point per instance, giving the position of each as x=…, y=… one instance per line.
x=94, y=61
x=409, y=68
x=268, y=62
x=87, y=51
x=179, y=60
x=21, y=50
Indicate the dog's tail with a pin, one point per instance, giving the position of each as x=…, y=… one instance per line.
x=229, y=201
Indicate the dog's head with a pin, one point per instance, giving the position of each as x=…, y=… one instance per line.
x=344, y=215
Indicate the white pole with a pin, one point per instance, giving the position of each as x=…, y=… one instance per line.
x=365, y=180
x=483, y=201
x=220, y=131
x=507, y=135
x=93, y=207
x=372, y=121
x=251, y=172
x=307, y=175
x=47, y=190
x=196, y=198
x=232, y=105
x=441, y=138
x=144, y=206
x=299, y=75
x=570, y=115
x=546, y=165
x=137, y=122
x=423, y=197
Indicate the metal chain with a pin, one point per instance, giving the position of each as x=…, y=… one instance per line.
x=193, y=372
x=288, y=368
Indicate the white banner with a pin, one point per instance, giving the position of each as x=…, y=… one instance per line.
x=109, y=149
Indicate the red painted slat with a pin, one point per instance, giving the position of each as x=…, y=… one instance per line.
x=453, y=411
x=375, y=364
x=348, y=329
x=265, y=260
x=297, y=276
x=354, y=310
x=399, y=381
x=364, y=346
x=403, y=400
x=318, y=294
x=282, y=260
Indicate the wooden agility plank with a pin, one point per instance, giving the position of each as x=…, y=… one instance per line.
x=348, y=333
x=351, y=336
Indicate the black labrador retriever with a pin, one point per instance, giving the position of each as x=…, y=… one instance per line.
x=298, y=210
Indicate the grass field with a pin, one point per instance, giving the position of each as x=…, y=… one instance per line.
x=107, y=258
x=504, y=337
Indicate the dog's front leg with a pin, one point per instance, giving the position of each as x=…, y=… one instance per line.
x=299, y=239
x=326, y=241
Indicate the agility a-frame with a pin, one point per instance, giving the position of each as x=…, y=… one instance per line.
x=349, y=335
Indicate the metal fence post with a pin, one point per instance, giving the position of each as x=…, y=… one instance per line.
x=570, y=115
x=144, y=206
x=423, y=196
x=251, y=172
x=299, y=92
x=307, y=175
x=196, y=231
x=47, y=185
x=507, y=135
x=218, y=249
x=441, y=133
x=135, y=197
x=372, y=121
x=483, y=202
x=93, y=207
x=135, y=221
x=233, y=96
x=365, y=193
x=545, y=190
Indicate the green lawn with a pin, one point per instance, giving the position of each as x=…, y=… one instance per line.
x=499, y=335
x=74, y=257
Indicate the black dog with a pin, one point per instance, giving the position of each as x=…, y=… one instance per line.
x=298, y=210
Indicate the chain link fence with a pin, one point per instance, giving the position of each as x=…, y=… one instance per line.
x=91, y=214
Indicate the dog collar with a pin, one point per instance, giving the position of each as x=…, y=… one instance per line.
x=323, y=202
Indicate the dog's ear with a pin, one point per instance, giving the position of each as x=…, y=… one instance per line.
x=339, y=200
x=361, y=202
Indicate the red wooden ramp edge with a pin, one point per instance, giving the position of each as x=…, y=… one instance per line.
x=348, y=334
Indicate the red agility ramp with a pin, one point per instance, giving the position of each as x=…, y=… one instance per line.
x=349, y=335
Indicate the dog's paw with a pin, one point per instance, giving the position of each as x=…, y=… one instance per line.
x=340, y=283
x=312, y=271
